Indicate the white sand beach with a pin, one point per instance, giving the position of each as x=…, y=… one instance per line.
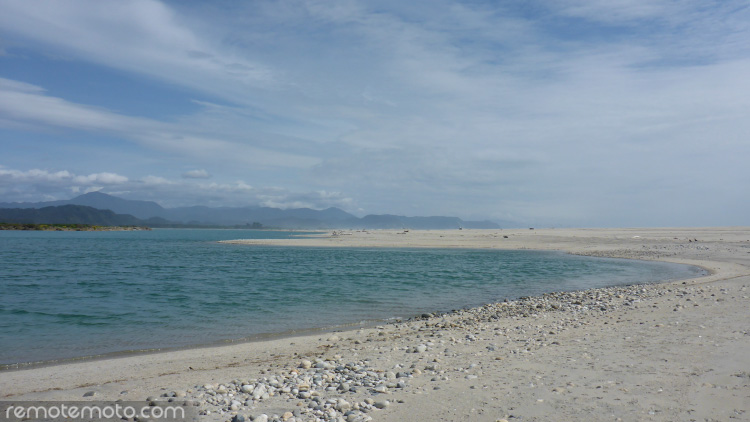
x=677, y=351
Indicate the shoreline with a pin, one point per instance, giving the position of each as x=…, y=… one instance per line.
x=429, y=393
x=63, y=227
x=296, y=333
x=258, y=338
x=321, y=330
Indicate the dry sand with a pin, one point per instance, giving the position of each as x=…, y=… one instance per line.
x=671, y=352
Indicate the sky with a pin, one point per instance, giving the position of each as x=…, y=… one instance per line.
x=586, y=113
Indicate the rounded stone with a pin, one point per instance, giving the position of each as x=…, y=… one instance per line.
x=247, y=389
x=381, y=404
x=259, y=391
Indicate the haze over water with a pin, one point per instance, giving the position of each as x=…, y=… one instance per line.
x=73, y=294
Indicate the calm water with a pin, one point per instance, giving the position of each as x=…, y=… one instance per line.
x=73, y=294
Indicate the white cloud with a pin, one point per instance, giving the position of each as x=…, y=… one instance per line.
x=34, y=175
x=44, y=185
x=28, y=104
x=92, y=189
x=156, y=181
x=620, y=10
x=150, y=37
x=196, y=174
x=46, y=176
x=237, y=187
x=572, y=110
x=102, y=178
x=315, y=200
x=17, y=86
x=35, y=185
x=23, y=102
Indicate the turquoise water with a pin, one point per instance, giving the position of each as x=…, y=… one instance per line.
x=73, y=294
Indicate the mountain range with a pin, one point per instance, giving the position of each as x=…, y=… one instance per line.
x=296, y=218
x=73, y=214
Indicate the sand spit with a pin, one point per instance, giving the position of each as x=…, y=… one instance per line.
x=668, y=352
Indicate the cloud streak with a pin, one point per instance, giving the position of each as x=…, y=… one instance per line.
x=196, y=174
x=150, y=40
x=41, y=184
x=64, y=176
x=572, y=112
x=29, y=105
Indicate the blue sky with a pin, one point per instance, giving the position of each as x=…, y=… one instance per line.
x=564, y=113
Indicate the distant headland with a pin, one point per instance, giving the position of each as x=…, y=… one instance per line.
x=97, y=208
x=68, y=227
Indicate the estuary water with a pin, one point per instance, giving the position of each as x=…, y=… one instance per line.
x=67, y=295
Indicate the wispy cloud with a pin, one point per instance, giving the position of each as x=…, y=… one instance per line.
x=100, y=178
x=151, y=39
x=63, y=176
x=196, y=174
x=25, y=104
x=41, y=184
x=579, y=112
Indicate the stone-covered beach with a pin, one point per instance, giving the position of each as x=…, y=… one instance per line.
x=672, y=351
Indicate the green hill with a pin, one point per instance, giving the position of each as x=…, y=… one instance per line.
x=68, y=214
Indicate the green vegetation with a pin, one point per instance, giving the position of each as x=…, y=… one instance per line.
x=65, y=227
x=81, y=217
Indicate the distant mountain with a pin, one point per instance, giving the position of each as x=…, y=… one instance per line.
x=297, y=218
x=68, y=214
x=291, y=218
x=102, y=201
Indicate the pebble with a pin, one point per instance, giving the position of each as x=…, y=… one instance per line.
x=382, y=404
x=247, y=389
x=259, y=391
x=326, y=389
x=343, y=406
